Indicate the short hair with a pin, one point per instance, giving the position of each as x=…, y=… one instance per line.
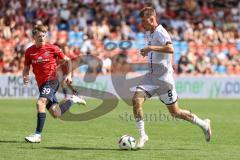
x=147, y=12
x=39, y=28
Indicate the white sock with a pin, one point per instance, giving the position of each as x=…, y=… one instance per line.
x=140, y=128
x=37, y=134
x=196, y=120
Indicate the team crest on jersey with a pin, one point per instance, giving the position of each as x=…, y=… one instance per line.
x=46, y=53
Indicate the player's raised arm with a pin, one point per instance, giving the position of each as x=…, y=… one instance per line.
x=164, y=40
x=61, y=55
x=168, y=49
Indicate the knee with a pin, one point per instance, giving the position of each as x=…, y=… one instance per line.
x=55, y=112
x=41, y=104
x=137, y=100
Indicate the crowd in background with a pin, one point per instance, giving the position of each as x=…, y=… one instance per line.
x=205, y=33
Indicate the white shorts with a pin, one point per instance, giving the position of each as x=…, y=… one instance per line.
x=163, y=87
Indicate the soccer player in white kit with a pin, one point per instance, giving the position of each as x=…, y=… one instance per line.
x=159, y=80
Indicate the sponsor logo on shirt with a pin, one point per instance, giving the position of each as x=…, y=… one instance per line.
x=40, y=60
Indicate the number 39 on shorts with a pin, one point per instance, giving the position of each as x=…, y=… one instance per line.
x=46, y=90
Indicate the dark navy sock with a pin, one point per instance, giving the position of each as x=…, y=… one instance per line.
x=40, y=122
x=65, y=106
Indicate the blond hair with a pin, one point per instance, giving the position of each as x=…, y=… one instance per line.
x=147, y=12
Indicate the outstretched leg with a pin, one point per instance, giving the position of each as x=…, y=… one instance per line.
x=58, y=110
x=188, y=116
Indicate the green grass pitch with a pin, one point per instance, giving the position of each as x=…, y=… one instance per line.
x=170, y=139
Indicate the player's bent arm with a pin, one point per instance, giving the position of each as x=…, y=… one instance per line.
x=168, y=48
x=25, y=74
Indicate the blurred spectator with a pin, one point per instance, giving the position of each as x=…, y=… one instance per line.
x=87, y=46
x=184, y=65
x=1, y=61
x=106, y=64
x=205, y=34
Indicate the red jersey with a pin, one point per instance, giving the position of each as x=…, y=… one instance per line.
x=44, y=61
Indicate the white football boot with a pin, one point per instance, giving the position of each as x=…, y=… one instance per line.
x=208, y=132
x=78, y=100
x=34, y=138
x=142, y=140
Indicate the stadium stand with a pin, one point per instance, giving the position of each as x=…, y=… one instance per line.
x=205, y=34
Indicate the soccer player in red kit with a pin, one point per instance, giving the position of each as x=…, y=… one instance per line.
x=43, y=59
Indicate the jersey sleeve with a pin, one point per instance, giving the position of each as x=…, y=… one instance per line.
x=58, y=52
x=163, y=36
x=27, y=60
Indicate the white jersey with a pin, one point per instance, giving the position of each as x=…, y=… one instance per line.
x=159, y=80
x=159, y=63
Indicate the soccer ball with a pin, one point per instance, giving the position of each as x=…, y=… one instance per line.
x=127, y=142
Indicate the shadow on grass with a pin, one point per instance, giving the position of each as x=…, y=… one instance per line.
x=6, y=141
x=172, y=149
x=114, y=149
x=78, y=148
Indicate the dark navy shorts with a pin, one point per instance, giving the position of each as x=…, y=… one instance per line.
x=48, y=90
